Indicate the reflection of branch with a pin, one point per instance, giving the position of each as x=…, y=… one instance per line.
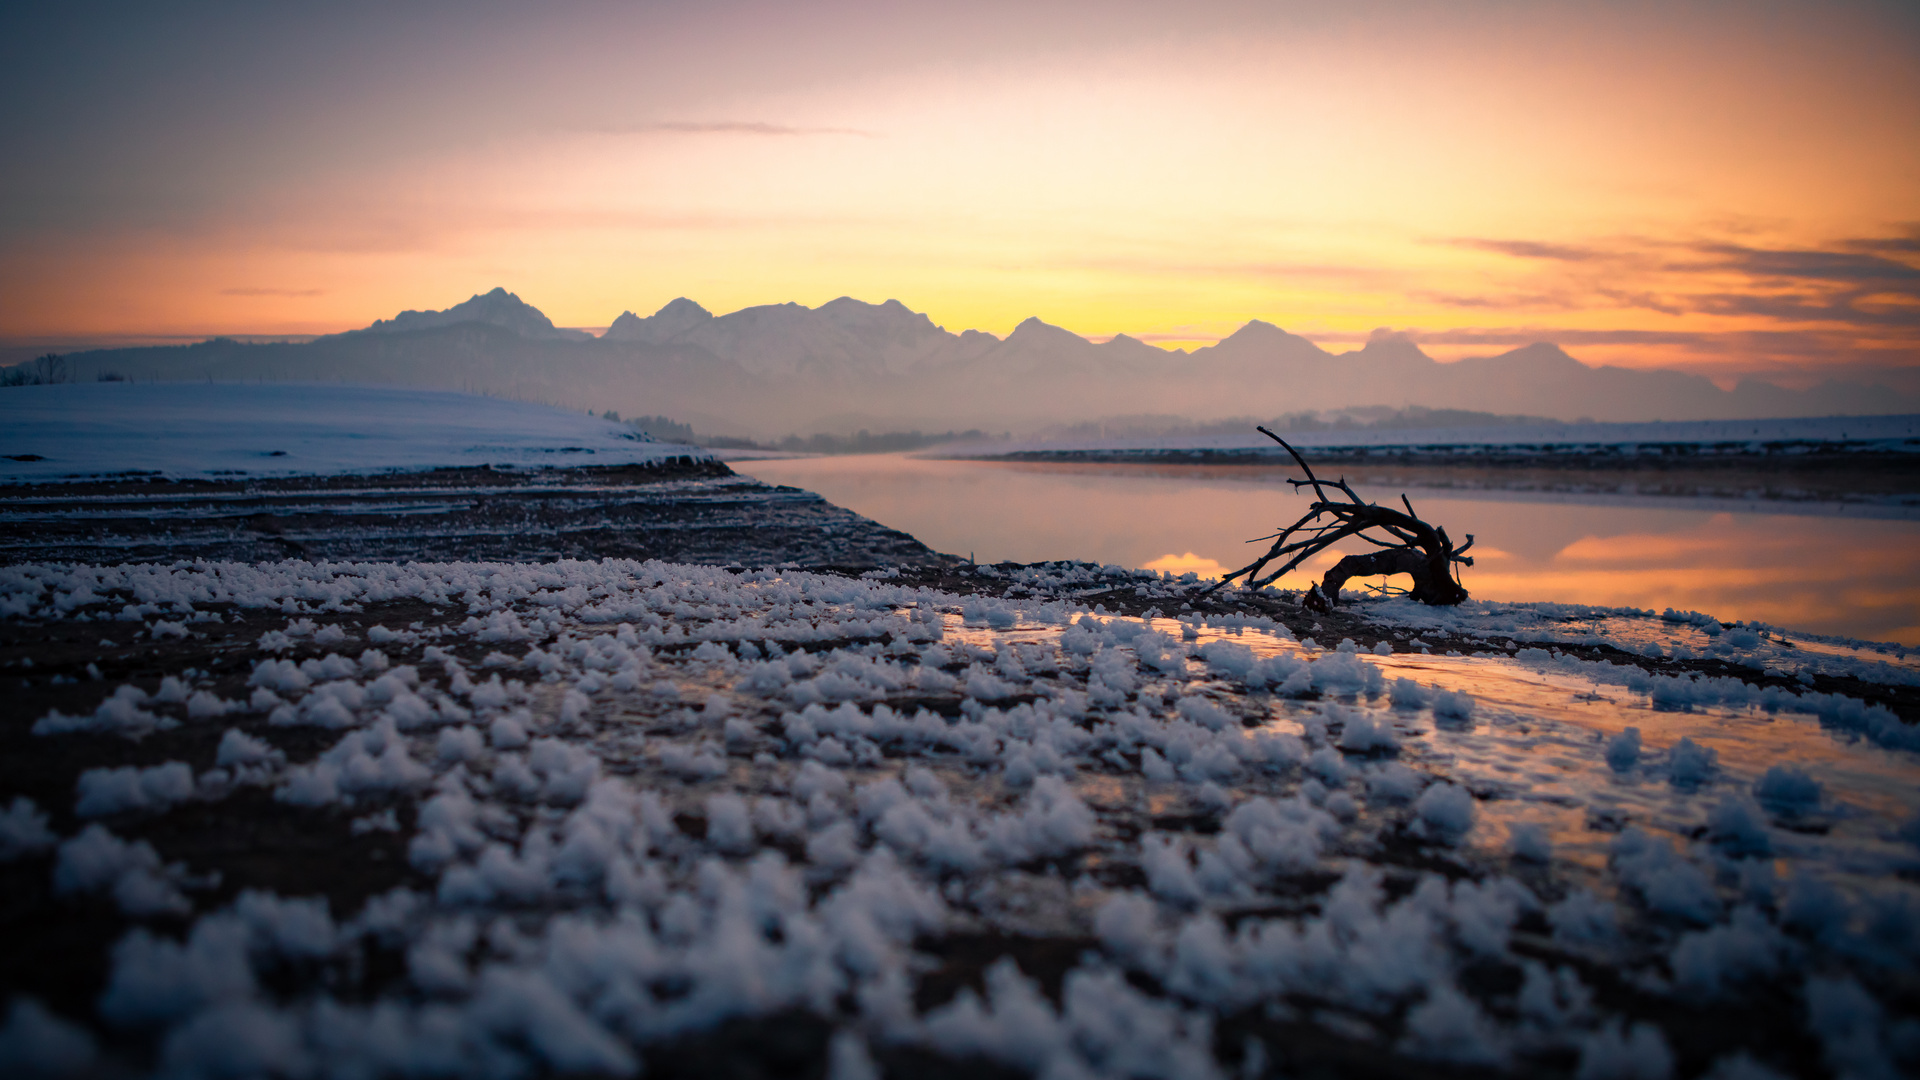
x=1416, y=548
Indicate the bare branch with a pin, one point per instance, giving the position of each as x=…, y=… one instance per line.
x=1415, y=547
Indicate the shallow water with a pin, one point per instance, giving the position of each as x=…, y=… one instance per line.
x=1820, y=569
x=1533, y=751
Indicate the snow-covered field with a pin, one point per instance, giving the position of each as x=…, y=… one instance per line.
x=641, y=801
x=233, y=430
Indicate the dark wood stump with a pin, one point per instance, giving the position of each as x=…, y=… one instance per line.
x=1432, y=581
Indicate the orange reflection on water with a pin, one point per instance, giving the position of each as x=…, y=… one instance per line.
x=1833, y=573
x=1803, y=572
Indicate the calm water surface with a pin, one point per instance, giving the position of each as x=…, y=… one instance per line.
x=1824, y=570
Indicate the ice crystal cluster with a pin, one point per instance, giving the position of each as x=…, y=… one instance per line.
x=639, y=800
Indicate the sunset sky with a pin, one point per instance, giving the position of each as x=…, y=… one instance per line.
x=1730, y=188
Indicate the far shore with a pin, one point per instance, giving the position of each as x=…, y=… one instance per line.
x=1829, y=474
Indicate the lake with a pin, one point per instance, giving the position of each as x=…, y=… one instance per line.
x=1820, y=568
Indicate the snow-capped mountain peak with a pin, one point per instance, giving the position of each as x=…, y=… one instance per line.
x=843, y=338
x=676, y=317
x=497, y=308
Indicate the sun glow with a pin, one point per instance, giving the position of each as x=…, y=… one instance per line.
x=1188, y=563
x=1481, y=189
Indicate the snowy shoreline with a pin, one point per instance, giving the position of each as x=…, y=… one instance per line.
x=89, y=431
x=585, y=815
x=675, y=507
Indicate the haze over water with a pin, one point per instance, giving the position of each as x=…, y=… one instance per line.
x=1822, y=569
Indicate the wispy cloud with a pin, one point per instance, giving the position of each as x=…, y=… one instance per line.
x=1867, y=283
x=728, y=127
x=1529, y=249
x=1531, y=301
x=1527, y=335
x=1802, y=286
x=1907, y=240
x=259, y=290
x=1790, y=264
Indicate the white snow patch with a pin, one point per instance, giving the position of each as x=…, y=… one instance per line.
x=294, y=429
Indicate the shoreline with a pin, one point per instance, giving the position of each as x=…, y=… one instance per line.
x=1789, y=477
x=1351, y=621
x=689, y=510
x=679, y=509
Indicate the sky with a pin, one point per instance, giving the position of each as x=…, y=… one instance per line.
x=1726, y=188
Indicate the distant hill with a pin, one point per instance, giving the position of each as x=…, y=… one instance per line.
x=782, y=369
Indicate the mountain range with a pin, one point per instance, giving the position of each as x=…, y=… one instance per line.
x=779, y=369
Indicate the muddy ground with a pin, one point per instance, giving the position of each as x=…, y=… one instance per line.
x=681, y=510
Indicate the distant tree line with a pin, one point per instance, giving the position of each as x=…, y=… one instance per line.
x=667, y=429
x=1356, y=418
x=42, y=370
x=861, y=442
x=866, y=442
x=1366, y=417
x=1417, y=416
x=1369, y=417
x=46, y=370
x=664, y=429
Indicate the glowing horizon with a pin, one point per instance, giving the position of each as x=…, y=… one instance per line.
x=1643, y=186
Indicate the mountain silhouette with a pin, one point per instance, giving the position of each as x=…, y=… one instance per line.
x=779, y=369
x=497, y=308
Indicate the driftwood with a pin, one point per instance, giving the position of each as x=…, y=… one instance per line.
x=1417, y=549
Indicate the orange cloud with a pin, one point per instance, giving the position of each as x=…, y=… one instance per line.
x=1674, y=190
